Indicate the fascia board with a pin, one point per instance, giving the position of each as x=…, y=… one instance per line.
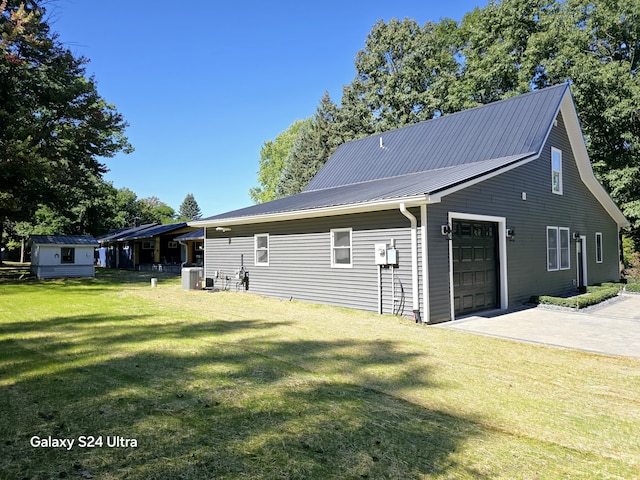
x=572, y=124
x=388, y=204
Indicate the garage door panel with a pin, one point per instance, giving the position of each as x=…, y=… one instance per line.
x=474, y=266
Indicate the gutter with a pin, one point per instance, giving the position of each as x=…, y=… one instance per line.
x=311, y=212
x=414, y=262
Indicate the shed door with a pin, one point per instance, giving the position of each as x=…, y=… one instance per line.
x=475, y=271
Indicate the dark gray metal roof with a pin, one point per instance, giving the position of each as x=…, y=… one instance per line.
x=427, y=157
x=509, y=127
x=65, y=240
x=118, y=234
x=195, y=235
x=402, y=186
x=153, y=231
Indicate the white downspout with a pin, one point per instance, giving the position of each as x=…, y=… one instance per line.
x=414, y=261
x=425, y=264
x=186, y=253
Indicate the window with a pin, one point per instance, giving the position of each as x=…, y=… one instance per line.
x=565, y=263
x=556, y=171
x=148, y=245
x=558, y=249
x=341, y=248
x=67, y=255
x=261, y=243
x=598, y=247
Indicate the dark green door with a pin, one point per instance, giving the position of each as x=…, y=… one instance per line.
x=475, y=270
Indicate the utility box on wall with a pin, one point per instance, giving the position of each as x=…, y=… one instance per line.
x=385, y=255
x=381, y=253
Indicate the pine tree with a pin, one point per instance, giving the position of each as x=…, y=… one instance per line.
x=189, y=210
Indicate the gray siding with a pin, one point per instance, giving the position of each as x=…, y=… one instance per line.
x=501, y=196
x=300, y=259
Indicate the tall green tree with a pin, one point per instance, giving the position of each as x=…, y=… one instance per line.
x=189, y=209
x=273, y=156
x=311, y=149
x=154, y=210
x=404, y=73
x=54, y=126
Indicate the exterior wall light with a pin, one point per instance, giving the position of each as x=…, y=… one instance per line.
x=445, y=230
x=511, y=234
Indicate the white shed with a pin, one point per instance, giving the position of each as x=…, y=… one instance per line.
x=54, y=256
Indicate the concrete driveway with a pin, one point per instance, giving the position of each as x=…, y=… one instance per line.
x=611, y=329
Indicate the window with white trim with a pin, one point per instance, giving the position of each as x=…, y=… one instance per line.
x=598, y=247
x=558, y=249
x=556, y=171
x=261, y=242
x=341, y=248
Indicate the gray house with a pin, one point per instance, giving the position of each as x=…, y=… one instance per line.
x=476, y=210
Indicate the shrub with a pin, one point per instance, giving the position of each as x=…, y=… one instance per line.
x=633, y=287
x=594, y=295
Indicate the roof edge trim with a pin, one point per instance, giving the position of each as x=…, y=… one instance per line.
x=377, y=205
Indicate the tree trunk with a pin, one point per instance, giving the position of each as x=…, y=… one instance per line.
x=1, y=236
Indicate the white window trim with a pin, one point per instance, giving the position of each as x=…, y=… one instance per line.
x=560, y=182
x=333, y=247
x=599, y=248
x=558, y=259
x=256, y=249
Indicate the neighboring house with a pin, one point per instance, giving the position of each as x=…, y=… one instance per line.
x=475, y=210
x=193, y=243
x=56, y=256
x=147, y=247
x=117, y=252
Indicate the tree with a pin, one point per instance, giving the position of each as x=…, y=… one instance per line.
x=311, y=149
x=273, y=156
x=189, y=209
x=54, y=126
x=153, y=210
x=404, y=73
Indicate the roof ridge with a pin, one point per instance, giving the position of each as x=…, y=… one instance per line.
x=464, y=111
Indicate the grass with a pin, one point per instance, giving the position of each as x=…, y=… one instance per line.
x=237, y=386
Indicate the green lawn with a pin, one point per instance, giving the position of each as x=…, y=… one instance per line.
x=236, y=386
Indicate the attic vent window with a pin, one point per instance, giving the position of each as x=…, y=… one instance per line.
x=556, y=171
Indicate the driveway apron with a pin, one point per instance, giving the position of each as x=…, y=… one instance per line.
x=611, y=329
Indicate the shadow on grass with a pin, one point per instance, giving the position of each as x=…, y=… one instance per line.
x=202, y=402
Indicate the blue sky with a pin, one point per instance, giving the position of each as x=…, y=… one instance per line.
x=204, y=85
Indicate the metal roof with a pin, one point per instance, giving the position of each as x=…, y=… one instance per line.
x=65, y=240
x=424, y=159
x=497, y=130
x=118, y=234
x=195, y=235
x=402, y=186
x=153, y=231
